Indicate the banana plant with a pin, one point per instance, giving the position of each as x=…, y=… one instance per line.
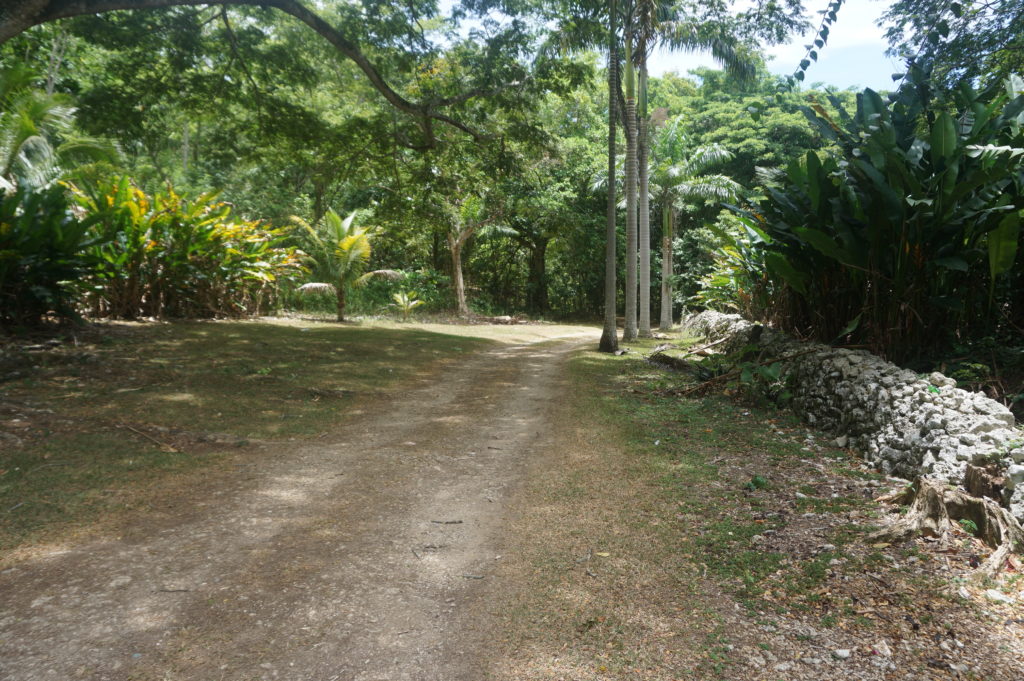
x=910, y=224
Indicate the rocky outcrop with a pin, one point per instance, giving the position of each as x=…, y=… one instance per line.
x=906, y=425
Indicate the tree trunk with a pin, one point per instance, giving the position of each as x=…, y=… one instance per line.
x=537, y=278
x=629, y=122
x=668, y=220
x=60, y=42
x=319, y=200
x=644, y=205
x=340, y=292
x=185, y=150
x=455, y=248
x=934, y=504
x=609, y=334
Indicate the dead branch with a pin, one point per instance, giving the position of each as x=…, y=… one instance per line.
x=163, y=445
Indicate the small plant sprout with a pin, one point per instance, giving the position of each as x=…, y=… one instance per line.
x=406, y=302
x=969, y=526
x=757, y=482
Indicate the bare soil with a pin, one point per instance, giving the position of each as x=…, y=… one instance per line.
x=364, y=557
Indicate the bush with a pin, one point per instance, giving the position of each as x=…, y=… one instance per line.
x=167, y=255
x=904, y=238
x=42, y=255
x=376, y=296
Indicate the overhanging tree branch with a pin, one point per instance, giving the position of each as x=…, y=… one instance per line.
x=17, y=16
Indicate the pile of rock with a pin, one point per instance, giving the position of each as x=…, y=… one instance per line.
x=905, y=424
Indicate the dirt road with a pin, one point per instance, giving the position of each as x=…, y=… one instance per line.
x=365, y=558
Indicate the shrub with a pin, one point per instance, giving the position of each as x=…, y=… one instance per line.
x=902, y=238
x=42, y=255
x=171, y=256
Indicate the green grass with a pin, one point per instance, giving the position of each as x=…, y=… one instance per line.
x=693, y=433
x=99, y=412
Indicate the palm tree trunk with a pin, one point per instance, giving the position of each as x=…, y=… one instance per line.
x=630, y=331
x=609, y=334
x=668, y=228
x=644, y=205
x=340, y=293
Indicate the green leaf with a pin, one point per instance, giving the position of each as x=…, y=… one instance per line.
x=944, y=138
x=772, y=372
x=1002, y=245
x=952, y=262
x=814, y=179
x=777, y=264
x=849, y=328
x=825, y=244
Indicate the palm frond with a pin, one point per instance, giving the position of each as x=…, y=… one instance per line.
x=317, y=287
x=391, y=275
x=703, y=158
x=709, y=187
x=768, y=176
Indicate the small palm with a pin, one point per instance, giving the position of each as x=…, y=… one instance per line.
x=338, y=252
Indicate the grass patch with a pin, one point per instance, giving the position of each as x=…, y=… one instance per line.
x=108, y=418
x=718, y=457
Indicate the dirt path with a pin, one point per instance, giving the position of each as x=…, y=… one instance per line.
x=361, y=559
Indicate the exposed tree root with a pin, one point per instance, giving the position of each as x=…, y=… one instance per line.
x=934, y=504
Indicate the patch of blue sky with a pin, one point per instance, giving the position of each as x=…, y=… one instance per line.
x=853, y=58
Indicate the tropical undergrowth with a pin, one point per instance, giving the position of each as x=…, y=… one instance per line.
x=902, y=237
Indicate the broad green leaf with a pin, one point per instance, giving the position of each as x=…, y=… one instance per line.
x=849, y=328
x=778, y=265
x=814, y=179
x=952, y=262
x=1002, y=245
x=825, y=244
x=943, y=138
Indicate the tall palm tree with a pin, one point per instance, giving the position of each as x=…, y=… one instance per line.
x=338, y=252
x=648, y=17
x=630, y=186
x=609, y=334
x=679, y=175
x=653, y=23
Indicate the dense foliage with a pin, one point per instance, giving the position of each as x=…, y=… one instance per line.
x=475, y=149
x=167, y=255
x=44, y=250
x=903, y=237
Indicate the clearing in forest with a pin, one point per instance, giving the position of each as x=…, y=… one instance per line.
x=408, y=503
